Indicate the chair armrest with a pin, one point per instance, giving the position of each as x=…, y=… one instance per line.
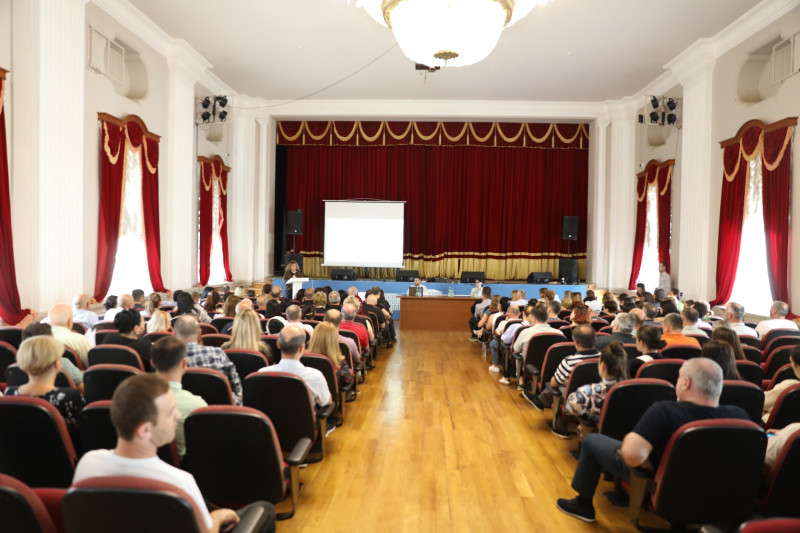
x=298, y=454
x=254, y=519
x=532, y=370
x=556, y=392
x=325, y=412
x=641, y=484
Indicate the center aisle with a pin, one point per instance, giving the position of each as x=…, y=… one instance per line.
x=435, y=443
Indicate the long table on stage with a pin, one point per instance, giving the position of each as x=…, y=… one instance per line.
x=435, y=312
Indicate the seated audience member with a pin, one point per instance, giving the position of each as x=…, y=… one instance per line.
x=698, y=390
x=486, y=322
x=553, y=309
x=640, y=290
x=243, y=305
x=239, y=291
x=348, y=323
x=577, y=300
x=334, y=301
x=320, y=302
x=273, y=308
x=734, y=314
x=729, y=336
x=159, y=321
x=291, y=342
x=211, y=304
x=475, y=292
x=187, y=306
x=187, y=330
x=610, y=307
x=587, y=401
x=294, y=317
x=537, y=317
x=246, y=334
x=480, y=307
x=777, y=319
x=622, y=331
x=771, y=396
x=650, y=314
x=229, y=307
x=420, y=286
x=145, y=415
x=131, y=327
x=649, y=344
x=384, y=318
x=702, y=312
x=566, y=300
x=40, y=358
x=676, y=295
x=522, y=299
x=553, y=296
x=60, y=316
x=169, y=362
x=638, y=319
x=776, y=442
x=494, y=346
x=353, y=291
x=690, y=318
x=334, y=317
x=325, y=341
x=138, y=299
x=357, y=304
x=672, y=331
x=722, y=353
x=580, y=315
x=668, y=307
x=152, y=304
x=584, y=338
x=81, y=312
x=40, y=329
x=123, y=302
x=509, y=331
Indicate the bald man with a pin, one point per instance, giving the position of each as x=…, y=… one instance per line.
x=60, y=316
x=125, y=302
x=81, y=312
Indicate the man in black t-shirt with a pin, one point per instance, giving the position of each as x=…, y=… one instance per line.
x=698, y=390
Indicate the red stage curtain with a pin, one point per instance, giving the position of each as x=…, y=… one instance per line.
x=206, y=223
x=151, y=225
x=223, y=223
x=463, y=201
x=638, y=241
x=665, y=214
x=10, y=309
x=775, y=182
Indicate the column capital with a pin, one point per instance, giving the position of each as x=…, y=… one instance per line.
x=183, y=57
x=695, y=64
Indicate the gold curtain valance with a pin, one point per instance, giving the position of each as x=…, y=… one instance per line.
x=749, y=144
x=660, y=173
x=217, y=167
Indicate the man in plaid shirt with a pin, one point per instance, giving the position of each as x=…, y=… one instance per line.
x=187, y=330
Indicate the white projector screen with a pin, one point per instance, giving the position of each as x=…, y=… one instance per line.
x=363, y=234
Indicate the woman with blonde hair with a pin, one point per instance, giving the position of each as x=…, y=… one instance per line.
x=159, y=321
x=152, y=304
x=229, y=308
x=325, y=341
x=246, y=334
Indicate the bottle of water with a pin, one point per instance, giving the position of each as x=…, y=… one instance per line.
x=419, y=291
x=450, y=291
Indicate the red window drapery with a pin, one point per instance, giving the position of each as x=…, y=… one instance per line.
x=115, y=136
x=210, y=170
x=773, y=143
x=661, y=174
x=10, y=309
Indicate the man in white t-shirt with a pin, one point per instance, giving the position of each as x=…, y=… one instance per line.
x=734, y=313
x=292, y=341
x=777, y=319
x=145, y=415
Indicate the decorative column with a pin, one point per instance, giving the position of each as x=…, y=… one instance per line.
x=243, y=192
x=596, y=251
x=691, y=243
x=265, y=211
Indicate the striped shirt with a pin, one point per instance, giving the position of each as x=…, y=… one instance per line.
x=565, y=368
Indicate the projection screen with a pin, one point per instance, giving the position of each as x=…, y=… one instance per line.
x=361, y=233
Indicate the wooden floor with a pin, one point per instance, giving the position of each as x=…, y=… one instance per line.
x=435, y=443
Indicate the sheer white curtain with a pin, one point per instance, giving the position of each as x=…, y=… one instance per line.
x=751, y=287
x=648, y=272
x=130, y=267
x=217, y=274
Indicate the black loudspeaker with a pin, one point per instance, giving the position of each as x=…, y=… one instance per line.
x=569, y=229
x=406, y=275
x=347, y=274
x=472, y=277
x=540, y=277
x=294, y=222
x=437, y=280
x=298, y=258
x=568, y=270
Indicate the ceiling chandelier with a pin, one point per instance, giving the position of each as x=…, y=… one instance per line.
x=452, y=33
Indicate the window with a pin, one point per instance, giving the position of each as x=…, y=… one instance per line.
x=751, y=287
x=130, y=268
x=648, y=271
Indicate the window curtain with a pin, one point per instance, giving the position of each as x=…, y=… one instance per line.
x=774, y=144
x=115, y=135
x=212, y=170
x=661, y=175
x=10, y=310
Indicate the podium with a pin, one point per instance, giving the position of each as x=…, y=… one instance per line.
x=296, y=284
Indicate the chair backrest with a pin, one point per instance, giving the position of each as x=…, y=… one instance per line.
x=77, y=327
x=207, y=329
x=214, y=339
x=752, y=353
x=22, y=509
x=101, y=334
x=777, y=358
x=744, y=394
x=597, y=325
x=681, y=351
x=666, y=369
x=69, y=353
x=786, y=409
x=104, y=324
x=210, y=384
x=12, y=335
x=606, y=329
x=538, y=346
x=555, y=354
x=775, y=333
x=8, y=356
x=567, y=331
x=220, y=323
x=324, y=365
x=517, y=332
x=783, y=490
x=98, y=505
x=353, y=336
x=750, y=372
x=246, y=361
x=272, y=342
x=345, y=351
x=115, y=354
x=687, y=492
x=631, y=351
x=16, y=376
x=157, y=335
x=564, y=313
x=288, y=403
x=785, y=372
x=779, y=342
x=558, y=323
x=234, y=455
x=35, y=446
x=584, y=373
x=628, y=400
x=702, y=339
x=750, y=341
x=771, y=525
x=97, y=432
x=100, y=381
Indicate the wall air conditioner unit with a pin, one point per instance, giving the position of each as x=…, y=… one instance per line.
x=106, y=56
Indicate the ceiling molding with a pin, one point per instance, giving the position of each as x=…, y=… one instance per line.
x=760, y=16
x=183, y=56
x=136, y=21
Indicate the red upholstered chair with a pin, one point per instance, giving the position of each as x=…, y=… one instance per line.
x=115, y=354
x=214, y=339
x=16, y=376
x=246, y=361
x=325, y=365
x=680, y=351
x=207, y=329
x=702, y=339
x=100, y=381
x=70, y=354
x=597, y=325
x=26, y=510
x=212, y=385
x=606, y=329
x=12, y=335
x=220, y=323
x=272, y=342
x=702, y=478
x=555, y=354
x=157, y=335
x=750, y=372
x=101, y=334
x=235, y=456
x=744, y=394
x=749, y=340
x=786, y=409
x=77, y=327
x=783, y=491
x=534, y=356
x=771, y=525
x=775, y=333
x=666, y=369
x=627, y=401
x=777, y=358
x=103, y=325
x=783, y=373
x=779, y=342
x=631, y=350
x=584, y=373
x=556, y=324
x=35, y=446
x=752, y=353
x=567, y=331
x=8, y=356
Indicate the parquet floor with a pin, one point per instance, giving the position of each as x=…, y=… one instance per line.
x=435, y=443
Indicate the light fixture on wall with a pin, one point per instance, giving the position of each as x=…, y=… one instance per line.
x=663, y=111
x=211, y=109
x=446, y=32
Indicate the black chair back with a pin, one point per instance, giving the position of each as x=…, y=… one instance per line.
x=746, y=395
x=555, y=354
x=785, y=372
x=12, y=335
x=15, y=376
x=631, y=351
x=702, y=339
x=220, y=323
x=750, y=341
x=246, y=361
x=666, y=369
x=597, y=325
x=115, y=354
x=272, y=342
x=207, y=329
x=22, y=509
x=104, y=324
x=210, y=384
x=97, y=431
x=584, y=373
x=157, y=335
x=786, y=409
x=775, y=333
x=70, y=354
x=783, y=491
x=627, y=401
x=354, y=337
x=779, y=342
x=100, y=381
x=77, y=327
x=101, y=334
x=680, y=351
x=750, y=372
x=567, y=331
x=752, y=353
x=8, y=356
x=776, y=359
x=214, y=339
x=538, y=346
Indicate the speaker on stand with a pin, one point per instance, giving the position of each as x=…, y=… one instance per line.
x=568, y=268
x=294, y=227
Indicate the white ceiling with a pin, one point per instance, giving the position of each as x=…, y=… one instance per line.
x=570, y=50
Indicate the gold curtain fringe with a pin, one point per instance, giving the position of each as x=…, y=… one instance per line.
x=2, y=93
x=455, y=138
x=402, y=135
x=786, y=141
x=291, y=138
x=663, y=191
x=339, y=135
x=367, y=137
x=659, y=168
x=489, y=135
x=759, y=151
x=107, y=149
x=429, y=137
